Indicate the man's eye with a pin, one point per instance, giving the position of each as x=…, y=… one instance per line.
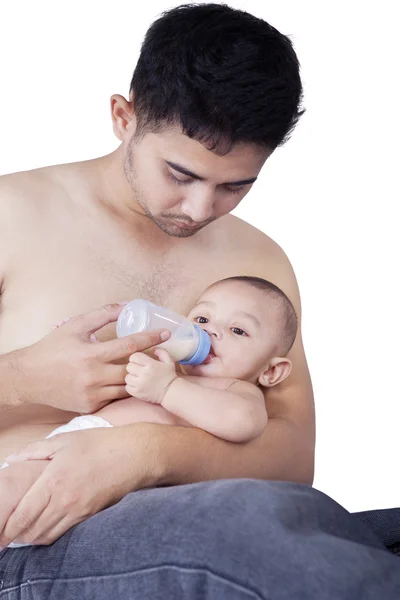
x=235, y=190
x=197, y=319
x=238, y=331
x=179, y=181
x=231, y=190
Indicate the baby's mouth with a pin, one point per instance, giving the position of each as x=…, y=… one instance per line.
x=209, y=357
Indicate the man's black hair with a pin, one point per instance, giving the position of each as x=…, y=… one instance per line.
x=222, y=75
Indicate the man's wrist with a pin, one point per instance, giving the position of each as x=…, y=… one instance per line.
x=153, y=440
x=171, y=454
x=14, y=380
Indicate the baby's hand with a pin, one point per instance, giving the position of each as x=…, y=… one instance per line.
x=149, y=379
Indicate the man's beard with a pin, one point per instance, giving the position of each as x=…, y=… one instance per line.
x=164, y=221
x=166, y=224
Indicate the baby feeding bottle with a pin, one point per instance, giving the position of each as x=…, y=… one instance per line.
x=189, y=344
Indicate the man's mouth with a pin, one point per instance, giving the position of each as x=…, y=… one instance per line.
x=186, y=226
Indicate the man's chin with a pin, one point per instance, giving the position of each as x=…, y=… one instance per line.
x=174, y=230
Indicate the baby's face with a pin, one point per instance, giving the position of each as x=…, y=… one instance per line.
x=243, y=325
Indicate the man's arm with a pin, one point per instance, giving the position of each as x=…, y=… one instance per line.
x=10, y=375
x=12, y=381
x=237, y=414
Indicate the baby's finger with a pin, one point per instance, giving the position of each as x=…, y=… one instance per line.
x=131, y=391
x=163, y=355
x=139, y=358
x=133, y=369
x=131, y=379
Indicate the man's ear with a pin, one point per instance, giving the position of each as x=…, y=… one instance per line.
x=278, y=369
x=123, y=116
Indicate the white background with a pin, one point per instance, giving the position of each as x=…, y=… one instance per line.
x=328, y=197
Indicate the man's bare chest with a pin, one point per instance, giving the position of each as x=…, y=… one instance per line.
x=59, y=278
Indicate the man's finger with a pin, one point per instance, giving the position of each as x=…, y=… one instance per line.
x=91, y=322
x=8, y=504
x=27, y=512
x=115, y=392
x=39, y=450
x=53, y=533
x=113, y=375
x=39, y=532
x=137, y=342
x=15, y=480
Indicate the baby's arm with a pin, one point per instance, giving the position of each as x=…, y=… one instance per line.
x=236, y=414
x=132, y=410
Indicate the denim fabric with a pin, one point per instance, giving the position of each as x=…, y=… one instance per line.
x=220, y=540
x=385, y=524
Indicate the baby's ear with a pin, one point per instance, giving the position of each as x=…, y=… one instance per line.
x=278, y=369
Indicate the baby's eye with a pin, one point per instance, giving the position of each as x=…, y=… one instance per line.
x=197, y=319
x=238, y=331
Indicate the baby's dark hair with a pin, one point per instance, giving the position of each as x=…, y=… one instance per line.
x=221, y=74
x=289, y=317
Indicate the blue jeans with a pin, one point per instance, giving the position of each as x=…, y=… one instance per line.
x=220, y=540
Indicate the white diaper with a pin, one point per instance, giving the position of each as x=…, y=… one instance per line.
x=82, y=422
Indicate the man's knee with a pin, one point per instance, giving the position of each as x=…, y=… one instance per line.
x=231, y=518
x=237, y=513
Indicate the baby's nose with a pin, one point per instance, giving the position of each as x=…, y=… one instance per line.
x=213, y=331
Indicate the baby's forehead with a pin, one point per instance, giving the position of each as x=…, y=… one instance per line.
x=237, y=294
x=231, y=289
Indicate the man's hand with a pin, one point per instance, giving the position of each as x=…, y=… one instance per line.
x=89, y=470
x=149, y=379
x=15, y=481
x=69, y=369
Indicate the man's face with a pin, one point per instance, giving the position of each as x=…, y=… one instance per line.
x=181, y=204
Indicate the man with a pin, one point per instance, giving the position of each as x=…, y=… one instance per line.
x=215, y=91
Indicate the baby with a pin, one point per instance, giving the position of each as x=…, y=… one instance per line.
x=252, y=325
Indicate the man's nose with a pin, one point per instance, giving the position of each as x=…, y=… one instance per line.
x=199, y=206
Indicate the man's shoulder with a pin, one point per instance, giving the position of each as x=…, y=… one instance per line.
x=20, y=192
x=254, y=253
x=246, y=237
x=254, y=250
x=24, y=198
